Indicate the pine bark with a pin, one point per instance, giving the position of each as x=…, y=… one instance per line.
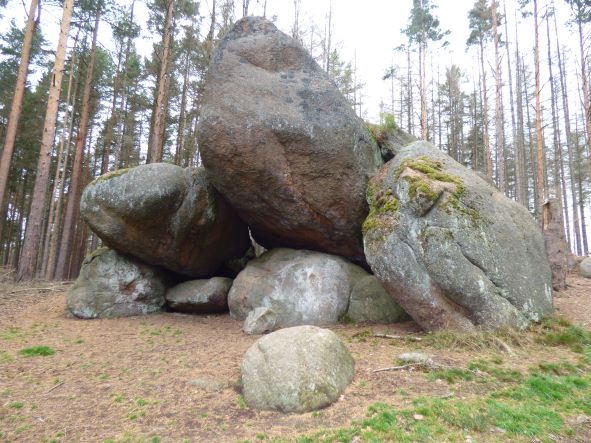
x=27, y=262
x=72, y=208
x=541, y=188
x=156, y=145
x=499, y=126
x=17, y=104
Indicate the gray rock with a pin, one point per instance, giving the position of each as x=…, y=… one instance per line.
x=166, y=216
x=283, y=145
x=301, y=287
x=297, y=369
x=209, y=385
x=371, y=303
x=452, y=250
x=112, y=285
x=260, y=321
x=415, y=358
x=200, y=296
x=585, y=267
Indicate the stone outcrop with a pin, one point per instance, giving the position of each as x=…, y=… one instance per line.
x=300, y=287
x=112, y=285
x=585, y=267
x=166, y=216
x=297, y=369
x=452, y=250
x=283, y=145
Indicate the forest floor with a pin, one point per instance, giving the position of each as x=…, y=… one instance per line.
x=173, y=377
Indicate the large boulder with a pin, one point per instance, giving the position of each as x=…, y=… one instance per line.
x=283, y=145
x=112, y=285
x=297, y=369
x=451, y=249
x=585, y=267
x=200, y=296
x=300, y=287
x=166, y=216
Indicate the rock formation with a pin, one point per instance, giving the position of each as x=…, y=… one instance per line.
x=166, y=216
x=283, y=145
x=200, y=296
x=451, y=249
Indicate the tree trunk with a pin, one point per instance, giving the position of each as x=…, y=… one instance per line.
x=155, y=148
x=17, y=105
x=585, y=80
x=488, y=159
x=180, y=143
x=554, y=241
x=513, y=125
x=499, y=126
x=27, y=262
x=541, y=188
x=72, y=207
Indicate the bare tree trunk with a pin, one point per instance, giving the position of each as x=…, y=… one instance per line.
x=27, y=262
x=17, y=104
x=585, y=80
x=563, y=87
x=423, y=92
x=155, y=148
x=554, y=241
x=541, y=188
x=180, y=144
x=499, y=126
x=55, y=208
x=488, y=159
x=521, y=173
x=513, y=127
x=558, y=169
x=72, y=207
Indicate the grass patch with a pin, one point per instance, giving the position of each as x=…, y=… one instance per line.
x=240, y=402
x=37, y=351
x=11, y=333
x=5, y=357
x=16, y=405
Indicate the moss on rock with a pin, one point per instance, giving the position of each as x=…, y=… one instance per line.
x=109, y=175
x=380, y=204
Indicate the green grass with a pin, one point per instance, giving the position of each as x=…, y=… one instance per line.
x=240, y=402
x=510, y=406
x=37, y=351
x=16, y=405
x=5, y=357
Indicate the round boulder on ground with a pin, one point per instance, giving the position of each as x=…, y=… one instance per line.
x=283, y=145
x=200, y=296
x=297, y=369
x=301, y=287
x=113, y=285
x=166, y=216
x=585, y=267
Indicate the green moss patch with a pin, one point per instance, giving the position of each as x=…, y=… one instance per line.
x=109, y=175
x=381, y=203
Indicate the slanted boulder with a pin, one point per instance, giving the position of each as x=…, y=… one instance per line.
x=113, y=285
x=166, y=216
x=297, y=369
x=283, y=145
x=300, y=287
x=371, y=303
x=208, y=296
x=452, y=250
x=585, y=267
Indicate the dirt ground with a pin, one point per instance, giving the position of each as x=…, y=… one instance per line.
x=176, y=376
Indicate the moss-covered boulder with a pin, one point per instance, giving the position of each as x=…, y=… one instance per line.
x=297, y=369
x=166, y=216
x=113, y=285
x=283, y=145
x=371, y=303
x=450, y=248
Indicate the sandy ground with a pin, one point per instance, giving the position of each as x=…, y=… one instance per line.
x=177, y=376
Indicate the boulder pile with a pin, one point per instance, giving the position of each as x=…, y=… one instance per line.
x=287, y=164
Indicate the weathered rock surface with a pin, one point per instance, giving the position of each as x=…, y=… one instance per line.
x=301, y=287
x=200, y=296
x=283, y=145
x=166, y=216
x=585, y=267
x=113, y=285
x=298, y=369
x=260, y=321
x=371, y=303
x=451, y=249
